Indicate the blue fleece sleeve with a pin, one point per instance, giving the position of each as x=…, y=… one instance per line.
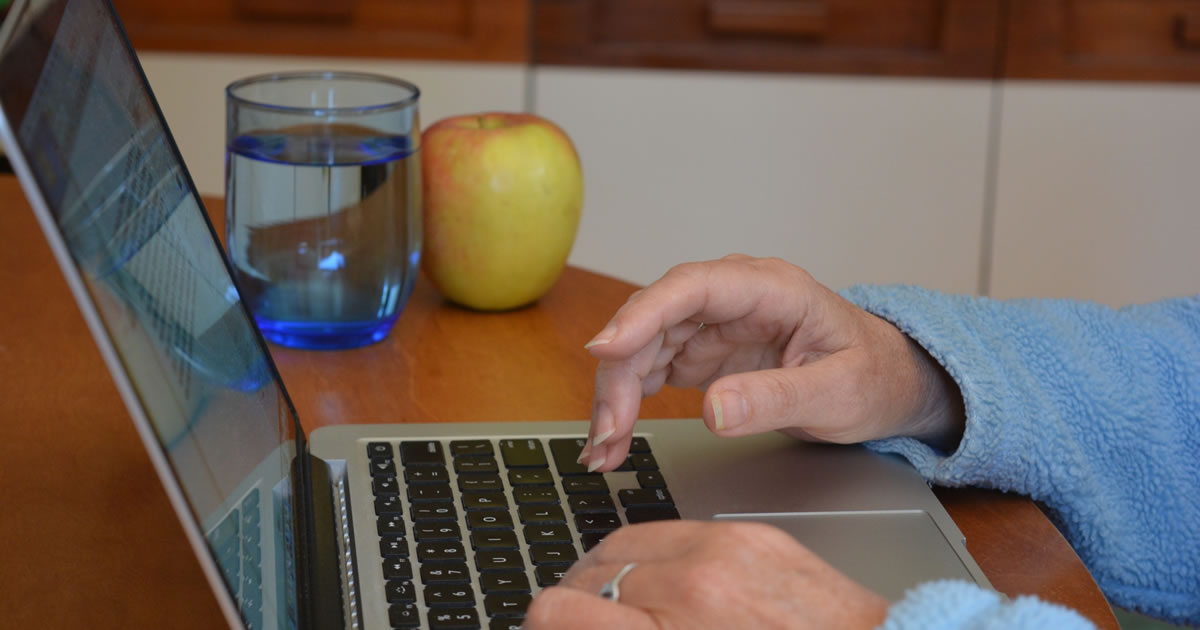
x=1091, y=410
x=955, y=605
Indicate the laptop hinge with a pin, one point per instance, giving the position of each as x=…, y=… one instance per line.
x=325, y=598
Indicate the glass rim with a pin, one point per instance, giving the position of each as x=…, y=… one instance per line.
x=242, y=101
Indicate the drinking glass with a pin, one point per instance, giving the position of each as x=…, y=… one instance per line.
x=323, y=203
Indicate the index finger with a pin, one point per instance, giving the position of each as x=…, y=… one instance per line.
x=711, y=292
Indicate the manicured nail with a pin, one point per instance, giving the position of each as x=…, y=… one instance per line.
x=583, y=453
x=605, y=426
x=605, y=336
x=729, y=409
x=599, y=454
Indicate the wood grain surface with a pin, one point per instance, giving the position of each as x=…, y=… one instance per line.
x=90, y=540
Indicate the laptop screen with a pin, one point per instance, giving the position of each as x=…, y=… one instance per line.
x=78, y=108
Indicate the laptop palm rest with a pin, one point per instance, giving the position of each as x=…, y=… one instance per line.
x=888, y=552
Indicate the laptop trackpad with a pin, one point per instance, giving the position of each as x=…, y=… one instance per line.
x=888, y=552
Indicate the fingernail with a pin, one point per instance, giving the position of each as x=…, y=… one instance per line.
x=729, y=409
x=605, y=336
x=584, y=452
x=598, y=456
x=605, y=426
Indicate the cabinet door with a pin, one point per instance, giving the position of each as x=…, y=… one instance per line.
x=907, y=37
x=864, y=180
x=1155, y=40
x=1098, y=192
x=485, y=30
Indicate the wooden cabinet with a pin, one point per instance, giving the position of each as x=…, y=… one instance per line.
x=952, y=38
x=1148, y=40
x=482, y=30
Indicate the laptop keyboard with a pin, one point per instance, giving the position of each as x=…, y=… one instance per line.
x=470, y=529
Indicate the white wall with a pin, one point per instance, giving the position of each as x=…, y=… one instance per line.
x=1098, y=192
x=857, y=179
x=191, y=91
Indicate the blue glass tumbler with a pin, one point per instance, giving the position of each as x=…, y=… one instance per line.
x=323, y=203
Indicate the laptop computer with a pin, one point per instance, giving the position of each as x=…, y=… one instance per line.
x=381, y=525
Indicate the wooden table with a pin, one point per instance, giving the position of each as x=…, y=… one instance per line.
x=90, y=540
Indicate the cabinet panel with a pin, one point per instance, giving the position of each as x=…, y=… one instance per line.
x=906, y=37
x=491, y=30
x=1096, y=194
x=862, y=180
x=1149, y=40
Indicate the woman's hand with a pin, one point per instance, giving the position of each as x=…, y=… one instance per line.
x=775, y=350
x=705, y=575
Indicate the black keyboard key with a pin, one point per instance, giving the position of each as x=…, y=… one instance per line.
x=503, y=582
x=651, y=479
x=639, y=445
x=404, y=616
x=596, y=522
x=389, y=504
x=489, y=520
x=470, y=447
x=425, y=512
x=549, y=574
x=541, y=514
x=646, y=513
x=379, y=449
x=393, y=547
x=530, y=477
x=426, y=474
x=566, y=451
x=587, y=484
x=383, y=467
x=445, y=573
x=626, y=466
x=454, y=619
x=478, y=501
x=644, y=496
x=397, y=569
x=536, y=495
x=449, y=596
x=385, y=486
x=400, y=591
x=435, y=532
x=591, y=539
x=553, y=554
x=585, y=503
x=525, y=453
x=541, y=534
x=505, y=623
x=392, y=524
x=430, y=492
x=422, y=453
x=441, y=551
x=499, y=561
x=492, y=540
x=643, y=461
x=476, y=464
x=491, y=482
x=506, y=605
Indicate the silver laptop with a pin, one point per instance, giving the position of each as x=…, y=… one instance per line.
x=381, y=525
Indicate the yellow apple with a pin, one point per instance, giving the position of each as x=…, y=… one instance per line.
x=502, y=194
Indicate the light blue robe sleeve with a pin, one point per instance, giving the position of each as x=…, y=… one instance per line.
x=1091, y=410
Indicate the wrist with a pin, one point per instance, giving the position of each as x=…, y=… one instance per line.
x=939, y=417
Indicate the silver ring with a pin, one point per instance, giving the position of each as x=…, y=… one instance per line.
x=612, y=588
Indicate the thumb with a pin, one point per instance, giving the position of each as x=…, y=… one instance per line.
x=823, y=401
